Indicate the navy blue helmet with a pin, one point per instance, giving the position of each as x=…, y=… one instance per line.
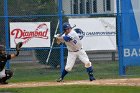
x=66, y=26
x=80, y=33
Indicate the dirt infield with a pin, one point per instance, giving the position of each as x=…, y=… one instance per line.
x=104, y=82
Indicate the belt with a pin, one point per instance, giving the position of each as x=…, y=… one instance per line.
x=75, y=50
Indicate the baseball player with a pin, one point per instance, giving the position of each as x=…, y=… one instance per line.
x=75, y=49
x=5, y=74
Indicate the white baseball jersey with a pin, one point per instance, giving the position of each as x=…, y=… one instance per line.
x=74, y=46
x=72, y=41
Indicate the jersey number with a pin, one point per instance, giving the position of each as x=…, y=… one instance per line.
x=74, y=41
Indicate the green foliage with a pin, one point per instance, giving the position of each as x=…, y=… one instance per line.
x=54, y=59
x=42, y=55
x=2, y=31
x=32, y=7
x=1, y=7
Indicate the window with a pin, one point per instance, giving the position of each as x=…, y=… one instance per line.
x=94, y=6
x=104, y=5
x=107, y=5
x=75, y=6
x=82, y=6
x=71, y=6
x=88, y=6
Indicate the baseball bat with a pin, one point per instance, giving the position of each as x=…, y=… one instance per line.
x=47, y=60
x=74, y=26
x=52, y=43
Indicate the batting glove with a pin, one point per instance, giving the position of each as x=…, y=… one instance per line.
x=57, y=35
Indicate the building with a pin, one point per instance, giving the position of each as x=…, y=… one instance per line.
x=89, y=6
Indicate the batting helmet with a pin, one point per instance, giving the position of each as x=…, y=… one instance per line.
x=80, y=33
x=66, y=26
x=2, y=48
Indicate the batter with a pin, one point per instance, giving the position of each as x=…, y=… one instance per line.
x=72, y=39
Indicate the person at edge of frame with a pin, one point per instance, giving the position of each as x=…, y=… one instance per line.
x=5, y=74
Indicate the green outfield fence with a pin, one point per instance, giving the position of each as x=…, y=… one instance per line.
x=32, y=61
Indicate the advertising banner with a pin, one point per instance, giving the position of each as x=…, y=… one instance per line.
x=131, y=32
x=99, y=33
x=32, y=34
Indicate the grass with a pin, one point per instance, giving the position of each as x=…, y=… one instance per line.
x=75, y=89
x=29, y=72
x=36, y=72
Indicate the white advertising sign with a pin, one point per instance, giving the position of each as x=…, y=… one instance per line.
x=32, y=34
x=99, y=33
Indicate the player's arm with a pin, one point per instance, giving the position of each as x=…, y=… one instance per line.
x=13, y=55
x=65, y=38
x=18, y=46
x=58, y=41
x=59, y=38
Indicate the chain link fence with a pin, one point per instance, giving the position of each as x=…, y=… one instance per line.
x=31, y=63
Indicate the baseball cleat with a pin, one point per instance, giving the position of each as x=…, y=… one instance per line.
x=59, y=80
x=92, y=78
x=3, y=83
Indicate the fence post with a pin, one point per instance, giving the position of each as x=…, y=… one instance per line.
x=119, y=43
x=6, y=28
x=60, y=28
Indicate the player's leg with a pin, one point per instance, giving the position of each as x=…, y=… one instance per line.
x=84, y=58
x=90, y=73
x=9, y=74
x=2, y=74
x=69, y=65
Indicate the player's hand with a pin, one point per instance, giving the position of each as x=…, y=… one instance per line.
x=17, y=53
x=57, y=35
x=18, y=46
